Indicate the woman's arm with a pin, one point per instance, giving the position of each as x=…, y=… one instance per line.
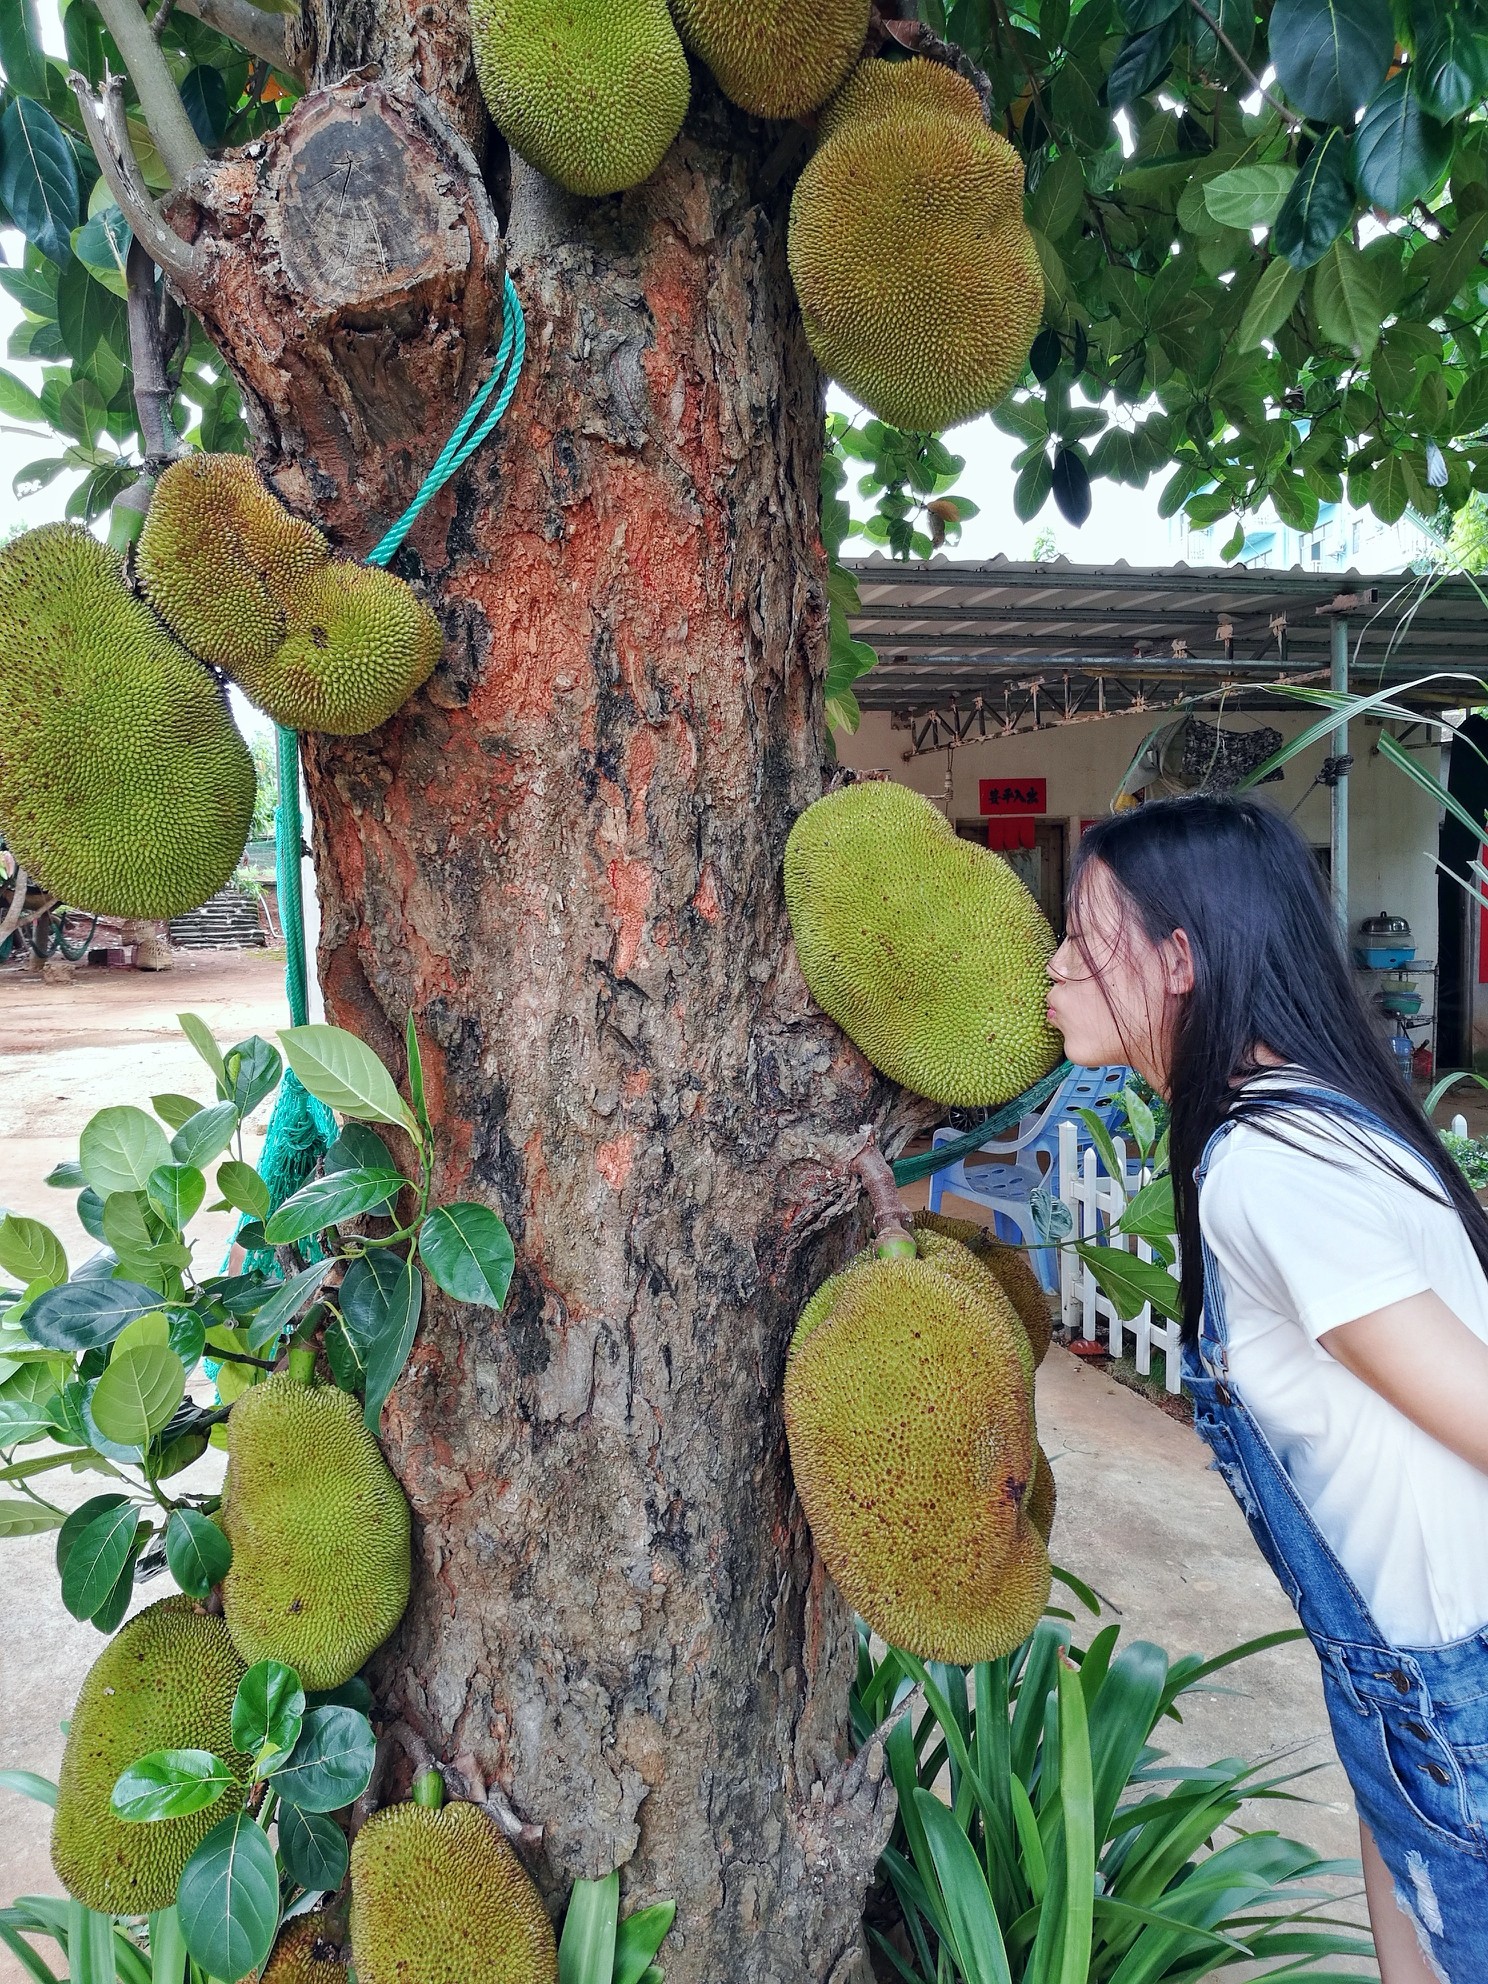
x=1428, y=1364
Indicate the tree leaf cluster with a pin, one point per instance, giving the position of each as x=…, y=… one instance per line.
x=71, y=284
x=101, y=1366
x=1266, y=294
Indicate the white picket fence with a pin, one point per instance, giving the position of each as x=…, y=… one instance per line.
x=1097, y=1201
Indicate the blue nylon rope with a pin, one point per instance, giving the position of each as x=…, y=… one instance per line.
x=467, y=436
x=301, y=1129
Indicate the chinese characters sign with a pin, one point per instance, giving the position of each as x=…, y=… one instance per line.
x=1002, y=797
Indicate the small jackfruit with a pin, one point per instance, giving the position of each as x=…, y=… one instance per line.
x=319, y=1528
x=775, y=58
x=219, y=555
x=591, y=92
x=317, y=643
x=165, y=1681
x=926, y=949
x=359, y=642
x=919, y=282
x=1010, y=1266
x=441, y=1898
x=310, y=1950
x=124, y=785
x=909, y=1415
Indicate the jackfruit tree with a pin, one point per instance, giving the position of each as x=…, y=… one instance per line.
x=285, y=231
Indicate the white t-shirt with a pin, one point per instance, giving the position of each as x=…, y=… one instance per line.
x=1307, y=1239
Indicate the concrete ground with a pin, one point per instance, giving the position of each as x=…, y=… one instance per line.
x=1141, y=1517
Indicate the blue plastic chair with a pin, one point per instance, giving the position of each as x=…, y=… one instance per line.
x=1002, y=1176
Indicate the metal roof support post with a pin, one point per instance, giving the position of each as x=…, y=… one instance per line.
x=1340, y=833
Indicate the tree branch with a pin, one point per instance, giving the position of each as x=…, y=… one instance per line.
x=1289, y=118
x=252, y=28
x=160, y=101
x=108, y=134
x=152, y=389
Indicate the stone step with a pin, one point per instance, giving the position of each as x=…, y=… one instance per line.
x=229, y=922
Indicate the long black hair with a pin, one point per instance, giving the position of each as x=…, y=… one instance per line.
x=1271, y=971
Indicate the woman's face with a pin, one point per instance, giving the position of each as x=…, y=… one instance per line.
x=1113, y=993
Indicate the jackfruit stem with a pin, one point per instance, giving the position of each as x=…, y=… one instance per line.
x=894, y=1240
x=428, y=1790
x=301, y=1366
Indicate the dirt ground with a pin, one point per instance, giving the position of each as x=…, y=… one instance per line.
x=1141, y=1516
x=72, y=1044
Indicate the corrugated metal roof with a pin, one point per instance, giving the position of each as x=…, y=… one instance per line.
x=1084, y=640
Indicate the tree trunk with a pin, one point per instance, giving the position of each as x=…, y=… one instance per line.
x=563, y=857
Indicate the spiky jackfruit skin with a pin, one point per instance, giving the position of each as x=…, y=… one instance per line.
x=218, y=556
x=1043, y=1500
x=591, y=92
x=441, y=1898
x=319, y=1529
x=1012, y=1269
x=165, y=1681
x=309, y=1951
x=926, y=949
x=949, y=1256
x=909, y=1416
x=775, y=58
x=359, y=643
x=124, y=785
x=919, y=282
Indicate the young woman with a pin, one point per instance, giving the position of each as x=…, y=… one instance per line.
x=1336, y=1316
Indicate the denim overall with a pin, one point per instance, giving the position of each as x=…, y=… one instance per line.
x=1410, y=1723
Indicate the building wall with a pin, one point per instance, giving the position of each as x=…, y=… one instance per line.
x=1343, y=539
x=1393, y=824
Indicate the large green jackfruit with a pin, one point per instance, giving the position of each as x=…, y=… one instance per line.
x=319, y=1528
x=317, y=643
x=165, y=1681
x=310, y=1950
x=775, y=58
x=441, y=1898
x=124, y=785
x=219, y=556
x=1011, y=1268
x=591, y=92
x=919, y=282
x=926, y=949
x=909, y=1412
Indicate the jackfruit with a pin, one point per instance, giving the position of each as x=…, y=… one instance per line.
x=359, y=643
x=919, y=282
x=775, y=58
x=124, y=785
x=926, y=949
x=439, y=1897
x=317, y=643
x=319, y=1529
x=310, y=1950
x=1010, y=1266
x=218, y=557
x=165, y=1681
x=1043, y=1498
x=909, y=1414
x=591, y=92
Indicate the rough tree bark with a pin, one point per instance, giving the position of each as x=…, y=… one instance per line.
x=563, y=857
